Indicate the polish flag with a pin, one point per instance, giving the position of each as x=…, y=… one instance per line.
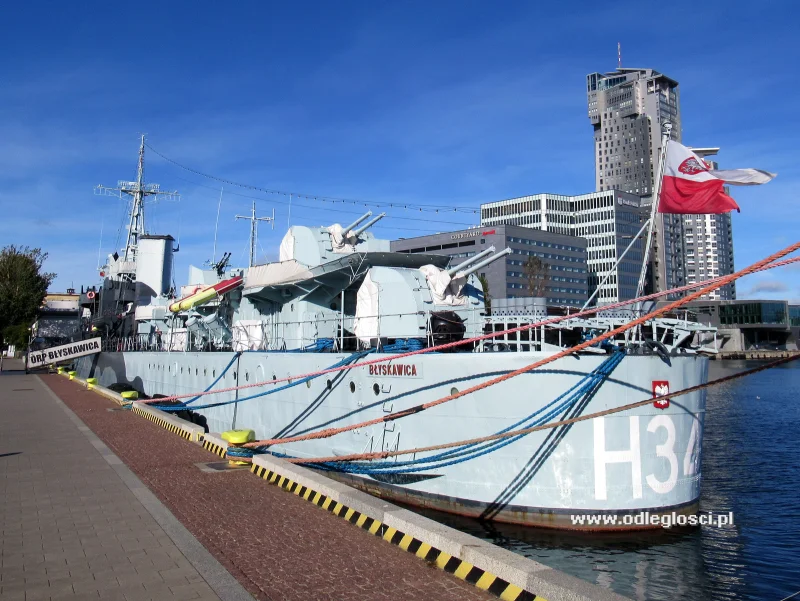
x=690, y=187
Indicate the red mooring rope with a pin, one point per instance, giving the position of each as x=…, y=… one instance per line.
x=448, y=445
x=327, y=433
x=448, y=345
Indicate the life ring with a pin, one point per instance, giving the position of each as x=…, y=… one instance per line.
x=90, y=295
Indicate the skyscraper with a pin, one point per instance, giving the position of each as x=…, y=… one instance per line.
x=628, y=109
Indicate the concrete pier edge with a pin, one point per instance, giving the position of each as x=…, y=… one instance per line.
x=504, y=573
x=403, y=527
x=189, y=431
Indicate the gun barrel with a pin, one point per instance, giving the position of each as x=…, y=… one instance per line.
x=346, y=230
x=368, y=225
x=461, y=266
x=473, y=268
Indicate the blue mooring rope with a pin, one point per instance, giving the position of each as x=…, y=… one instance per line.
x=214, y=383
x=342, y=363
x=586, y=386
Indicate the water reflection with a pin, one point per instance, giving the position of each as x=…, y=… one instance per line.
x=751, y=461
x=659, y=564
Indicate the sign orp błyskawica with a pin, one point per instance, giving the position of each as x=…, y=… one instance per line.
x=63, y=352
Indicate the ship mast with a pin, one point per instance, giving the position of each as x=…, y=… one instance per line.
x=254, y=230
x=138, y=191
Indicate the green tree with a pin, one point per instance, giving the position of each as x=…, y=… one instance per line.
x=537, y=272
x=17, y=336
x=23, y=285
x=487, y=298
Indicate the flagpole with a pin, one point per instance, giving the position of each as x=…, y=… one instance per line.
x=613, y=270
x=654, y=208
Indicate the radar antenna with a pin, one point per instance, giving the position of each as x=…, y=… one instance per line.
x=138, y=191
x=254, y=230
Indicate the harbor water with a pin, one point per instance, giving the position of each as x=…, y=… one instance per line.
x=751, y=467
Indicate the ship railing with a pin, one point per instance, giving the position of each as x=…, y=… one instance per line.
x=274, y=335
x=671, y=333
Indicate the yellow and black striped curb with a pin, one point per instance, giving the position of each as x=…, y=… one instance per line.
x=155, y=418
x=452, y=565
x=209, y=445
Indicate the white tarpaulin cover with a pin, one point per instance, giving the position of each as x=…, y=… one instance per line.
x=444, y=289
x=248, y=335
x=366, y=318
x=273, y=274
x=175, y=340
x=287, y=247
x=339, y=243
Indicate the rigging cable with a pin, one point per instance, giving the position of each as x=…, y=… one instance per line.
x=317, y=197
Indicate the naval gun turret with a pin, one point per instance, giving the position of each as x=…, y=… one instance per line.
x=314, y=246
x=462, y=266
x=429, y=302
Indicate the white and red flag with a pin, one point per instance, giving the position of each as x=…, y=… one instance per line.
x=690, y=187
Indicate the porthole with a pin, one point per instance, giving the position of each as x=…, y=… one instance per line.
x=234, y=375
x=214, y=373
x=247, y=376
x=454, y=390
x=376, y=389
x=205, y=371
x=181, y=369
x=196, y=371
x=329, y=384
x=274, y=377
x=352, y=386
x=308, y=383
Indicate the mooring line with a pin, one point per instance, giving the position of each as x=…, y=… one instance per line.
x=524, y=431
x=489, y=336
x=327, y=433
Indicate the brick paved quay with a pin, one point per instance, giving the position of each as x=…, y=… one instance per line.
x=77, y=524
x=277, y=545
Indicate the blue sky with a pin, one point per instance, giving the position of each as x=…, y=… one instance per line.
x=428, y=103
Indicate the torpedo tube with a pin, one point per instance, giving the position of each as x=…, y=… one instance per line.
x=205, y=295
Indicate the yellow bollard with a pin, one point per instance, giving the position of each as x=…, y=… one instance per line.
x=91, y=383
x=237, y=438
x=129, y=395
x=72, y=374
x=61, y=370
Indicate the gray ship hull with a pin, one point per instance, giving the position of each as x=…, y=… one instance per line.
x=641, y=460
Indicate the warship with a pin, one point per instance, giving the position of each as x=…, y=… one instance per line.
x=338, y=297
